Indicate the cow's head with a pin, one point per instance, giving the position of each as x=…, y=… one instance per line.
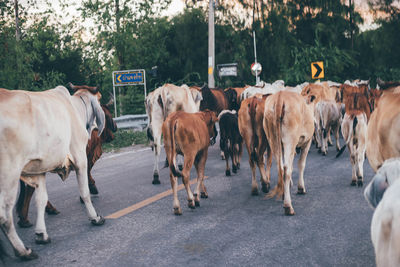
x=110, y=125
x=210, y=119
x=232, y=97
x=385, y=177
x=89, y=99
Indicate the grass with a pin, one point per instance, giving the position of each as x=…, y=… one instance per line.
x=126, y=138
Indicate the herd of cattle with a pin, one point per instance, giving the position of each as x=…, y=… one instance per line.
x=54, y=131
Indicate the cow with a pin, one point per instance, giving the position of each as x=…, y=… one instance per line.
x=383, y=194
x=328, y=116
x=288, y=124
x=251, y=115
x=383, y=131
x=42, y=132
x=213, y=99
x=93, y=153
x=233, y=96
x=230, y=139
x=188, y=134
x=354, y=131
x=321, y=91
x=159, y=104
x=389, y=86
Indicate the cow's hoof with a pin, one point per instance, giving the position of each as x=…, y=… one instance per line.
x=93, y=189
x=234, y=169
x=197, y=203
x=319, y=150
x=265, y=187
x=360, y=183
x=353, y=183
x=324, y=153
x=238, y=166
x=31, y=256
x=177, y=211
x=180, y=167
x=191, y=204
x=156, y=179
x=301, y=191
x=254, y=192
x=24, y=223
x=330, y=144
x=289, y=211
x=98, y=222
x=52, y=211
x=204, y=195
x=39, y=239
x=228, y=172
x=337, y=149
x=222, y=157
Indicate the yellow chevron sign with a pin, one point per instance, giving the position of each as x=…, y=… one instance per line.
x=317, y=70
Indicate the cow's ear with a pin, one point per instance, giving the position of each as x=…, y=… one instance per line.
x=98, y=113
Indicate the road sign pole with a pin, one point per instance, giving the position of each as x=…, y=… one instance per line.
x=115, y=102
x=145, y=88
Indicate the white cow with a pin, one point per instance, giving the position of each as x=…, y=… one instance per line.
x=44, y=132
x=159, y=104
x=327, y=116
x=383, y=193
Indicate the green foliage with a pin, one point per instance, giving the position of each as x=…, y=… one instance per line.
x=130, y=34
x=125, y=138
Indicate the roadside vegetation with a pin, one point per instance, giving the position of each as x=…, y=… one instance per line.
x=126, y=138
x=45, y=50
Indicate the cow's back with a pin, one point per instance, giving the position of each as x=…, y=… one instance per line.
x=35, y=128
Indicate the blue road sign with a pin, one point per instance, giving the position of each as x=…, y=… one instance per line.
x=128, y=77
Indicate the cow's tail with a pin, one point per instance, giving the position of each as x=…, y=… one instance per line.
x=172, y=153
x=279, y=116
x=254, y=142
x=351, y=134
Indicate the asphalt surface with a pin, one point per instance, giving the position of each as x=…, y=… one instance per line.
x=331, y=226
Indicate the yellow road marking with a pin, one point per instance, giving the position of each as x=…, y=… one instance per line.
x=146, y=202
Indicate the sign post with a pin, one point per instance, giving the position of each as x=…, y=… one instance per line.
x=128, y=77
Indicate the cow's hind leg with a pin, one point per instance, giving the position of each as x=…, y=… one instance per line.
x=265, y=174
x=174, y=186
x=188, y=163
x=81, y=174
x=301, y=189
x=41, y=201
x=8, y=195
x=199, y=164
x=24, y=199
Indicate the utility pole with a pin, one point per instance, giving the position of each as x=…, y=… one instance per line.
x=17, y=29
x=211, y=45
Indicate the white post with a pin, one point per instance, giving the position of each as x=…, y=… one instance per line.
x=211, y=44
x=115, y=102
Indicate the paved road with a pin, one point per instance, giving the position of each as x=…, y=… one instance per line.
x=331, y=226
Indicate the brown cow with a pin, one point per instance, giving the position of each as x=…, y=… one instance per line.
x=384, y=131
x=93, y=153
x=213, y=99
x=251, y=116
x=188, y=134
x=288, y=124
